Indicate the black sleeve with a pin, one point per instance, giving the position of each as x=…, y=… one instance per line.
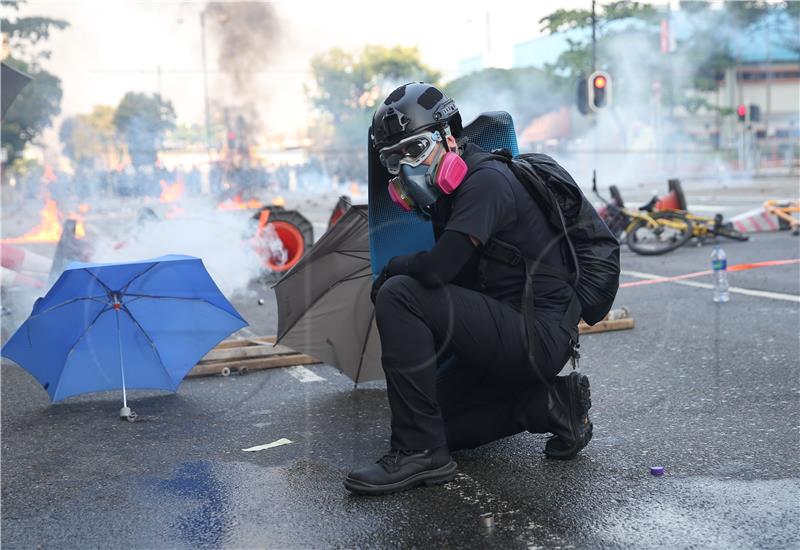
x=440, y=264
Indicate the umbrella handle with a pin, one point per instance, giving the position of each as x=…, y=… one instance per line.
x=125, y=411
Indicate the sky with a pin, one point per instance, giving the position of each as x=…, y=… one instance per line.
x=116, y=46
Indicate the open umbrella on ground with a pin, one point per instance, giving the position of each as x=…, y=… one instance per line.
x=134, y=325
x=324, y=308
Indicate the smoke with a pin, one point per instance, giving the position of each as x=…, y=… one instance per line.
x=220, y=239
x=659, y=125
x=248, y=36
x=531, y=97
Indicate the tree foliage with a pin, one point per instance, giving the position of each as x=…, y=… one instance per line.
x=31, y=112
x=40, y=101
x=576, y=60
x=89, y=138
x=629, y=33
x=143, y=120
x=349, y=85
x=26, y=35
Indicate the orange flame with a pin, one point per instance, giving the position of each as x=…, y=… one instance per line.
x=236, y=203
x=49, y=228
x=80, y=231
x=279, y=201
x=171, y=192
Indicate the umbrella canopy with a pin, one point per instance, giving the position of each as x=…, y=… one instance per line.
x=140, y=324
x=12, y=83
x=324, y=308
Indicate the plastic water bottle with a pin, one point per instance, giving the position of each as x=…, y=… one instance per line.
x=719, y=263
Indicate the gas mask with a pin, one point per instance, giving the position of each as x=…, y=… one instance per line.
x=415, y=185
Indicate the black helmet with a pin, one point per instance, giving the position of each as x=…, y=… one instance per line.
x=410, y=108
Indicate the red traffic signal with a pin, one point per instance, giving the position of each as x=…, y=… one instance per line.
x=599, y=88
x=600, y=82
x=741, y=111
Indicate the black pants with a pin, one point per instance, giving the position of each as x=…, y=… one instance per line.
x=456, y=366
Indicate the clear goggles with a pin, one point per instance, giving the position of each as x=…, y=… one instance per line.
x=412, y=151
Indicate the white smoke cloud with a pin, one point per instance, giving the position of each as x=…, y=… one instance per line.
x=220, y=239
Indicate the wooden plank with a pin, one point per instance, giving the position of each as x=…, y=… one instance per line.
x=243, y=352
x=244, y=342
x=234, y=343
x=252, y=364
x=606, y=326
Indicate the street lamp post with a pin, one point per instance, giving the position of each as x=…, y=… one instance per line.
x=206, y=185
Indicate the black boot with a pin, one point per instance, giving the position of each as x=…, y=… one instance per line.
x=569, y=401
x=401, y=470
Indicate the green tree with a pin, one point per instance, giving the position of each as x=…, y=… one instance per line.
x=40, y=101
x=143, y=120
x=705, y=49
x=746, y=12
x=789, y=37
x=31, y=112
x=577, y=59
x=89, y=138
x=27, y=34
x=348, y=86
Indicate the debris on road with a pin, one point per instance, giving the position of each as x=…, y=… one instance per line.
x=304, y=375
x=487, y=520
x=617, y=319
x=243, y=355
x=657, y=470
x=278, y=443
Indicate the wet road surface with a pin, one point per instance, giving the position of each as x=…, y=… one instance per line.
x=709, y=392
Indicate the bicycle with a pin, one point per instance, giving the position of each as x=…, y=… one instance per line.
x=645, y=231
x=702, y=226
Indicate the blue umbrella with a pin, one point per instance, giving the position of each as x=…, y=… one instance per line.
x=134, y=325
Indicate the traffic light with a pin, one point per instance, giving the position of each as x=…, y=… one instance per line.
x=583, y=95
x=741, y=112
x=755, y=113
x=599, y=88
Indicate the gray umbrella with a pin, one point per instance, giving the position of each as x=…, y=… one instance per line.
x=13, y=81
x=324, y=309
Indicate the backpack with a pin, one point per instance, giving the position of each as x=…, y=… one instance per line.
x=593, y=248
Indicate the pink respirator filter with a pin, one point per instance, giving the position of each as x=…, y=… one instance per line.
x=452, y=170
x=395, y=196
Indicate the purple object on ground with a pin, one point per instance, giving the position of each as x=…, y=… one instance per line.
x=657, y=470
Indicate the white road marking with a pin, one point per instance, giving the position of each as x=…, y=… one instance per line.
x=733, y=290
x=304, y=375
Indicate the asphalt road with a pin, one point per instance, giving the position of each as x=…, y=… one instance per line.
x=710, y=392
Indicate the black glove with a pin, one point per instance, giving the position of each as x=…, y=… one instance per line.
x=378, y=283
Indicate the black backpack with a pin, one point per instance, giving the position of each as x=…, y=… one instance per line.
x=594, y=249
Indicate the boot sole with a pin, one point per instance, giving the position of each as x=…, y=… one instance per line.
x=580, y=383
x=439, y=476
